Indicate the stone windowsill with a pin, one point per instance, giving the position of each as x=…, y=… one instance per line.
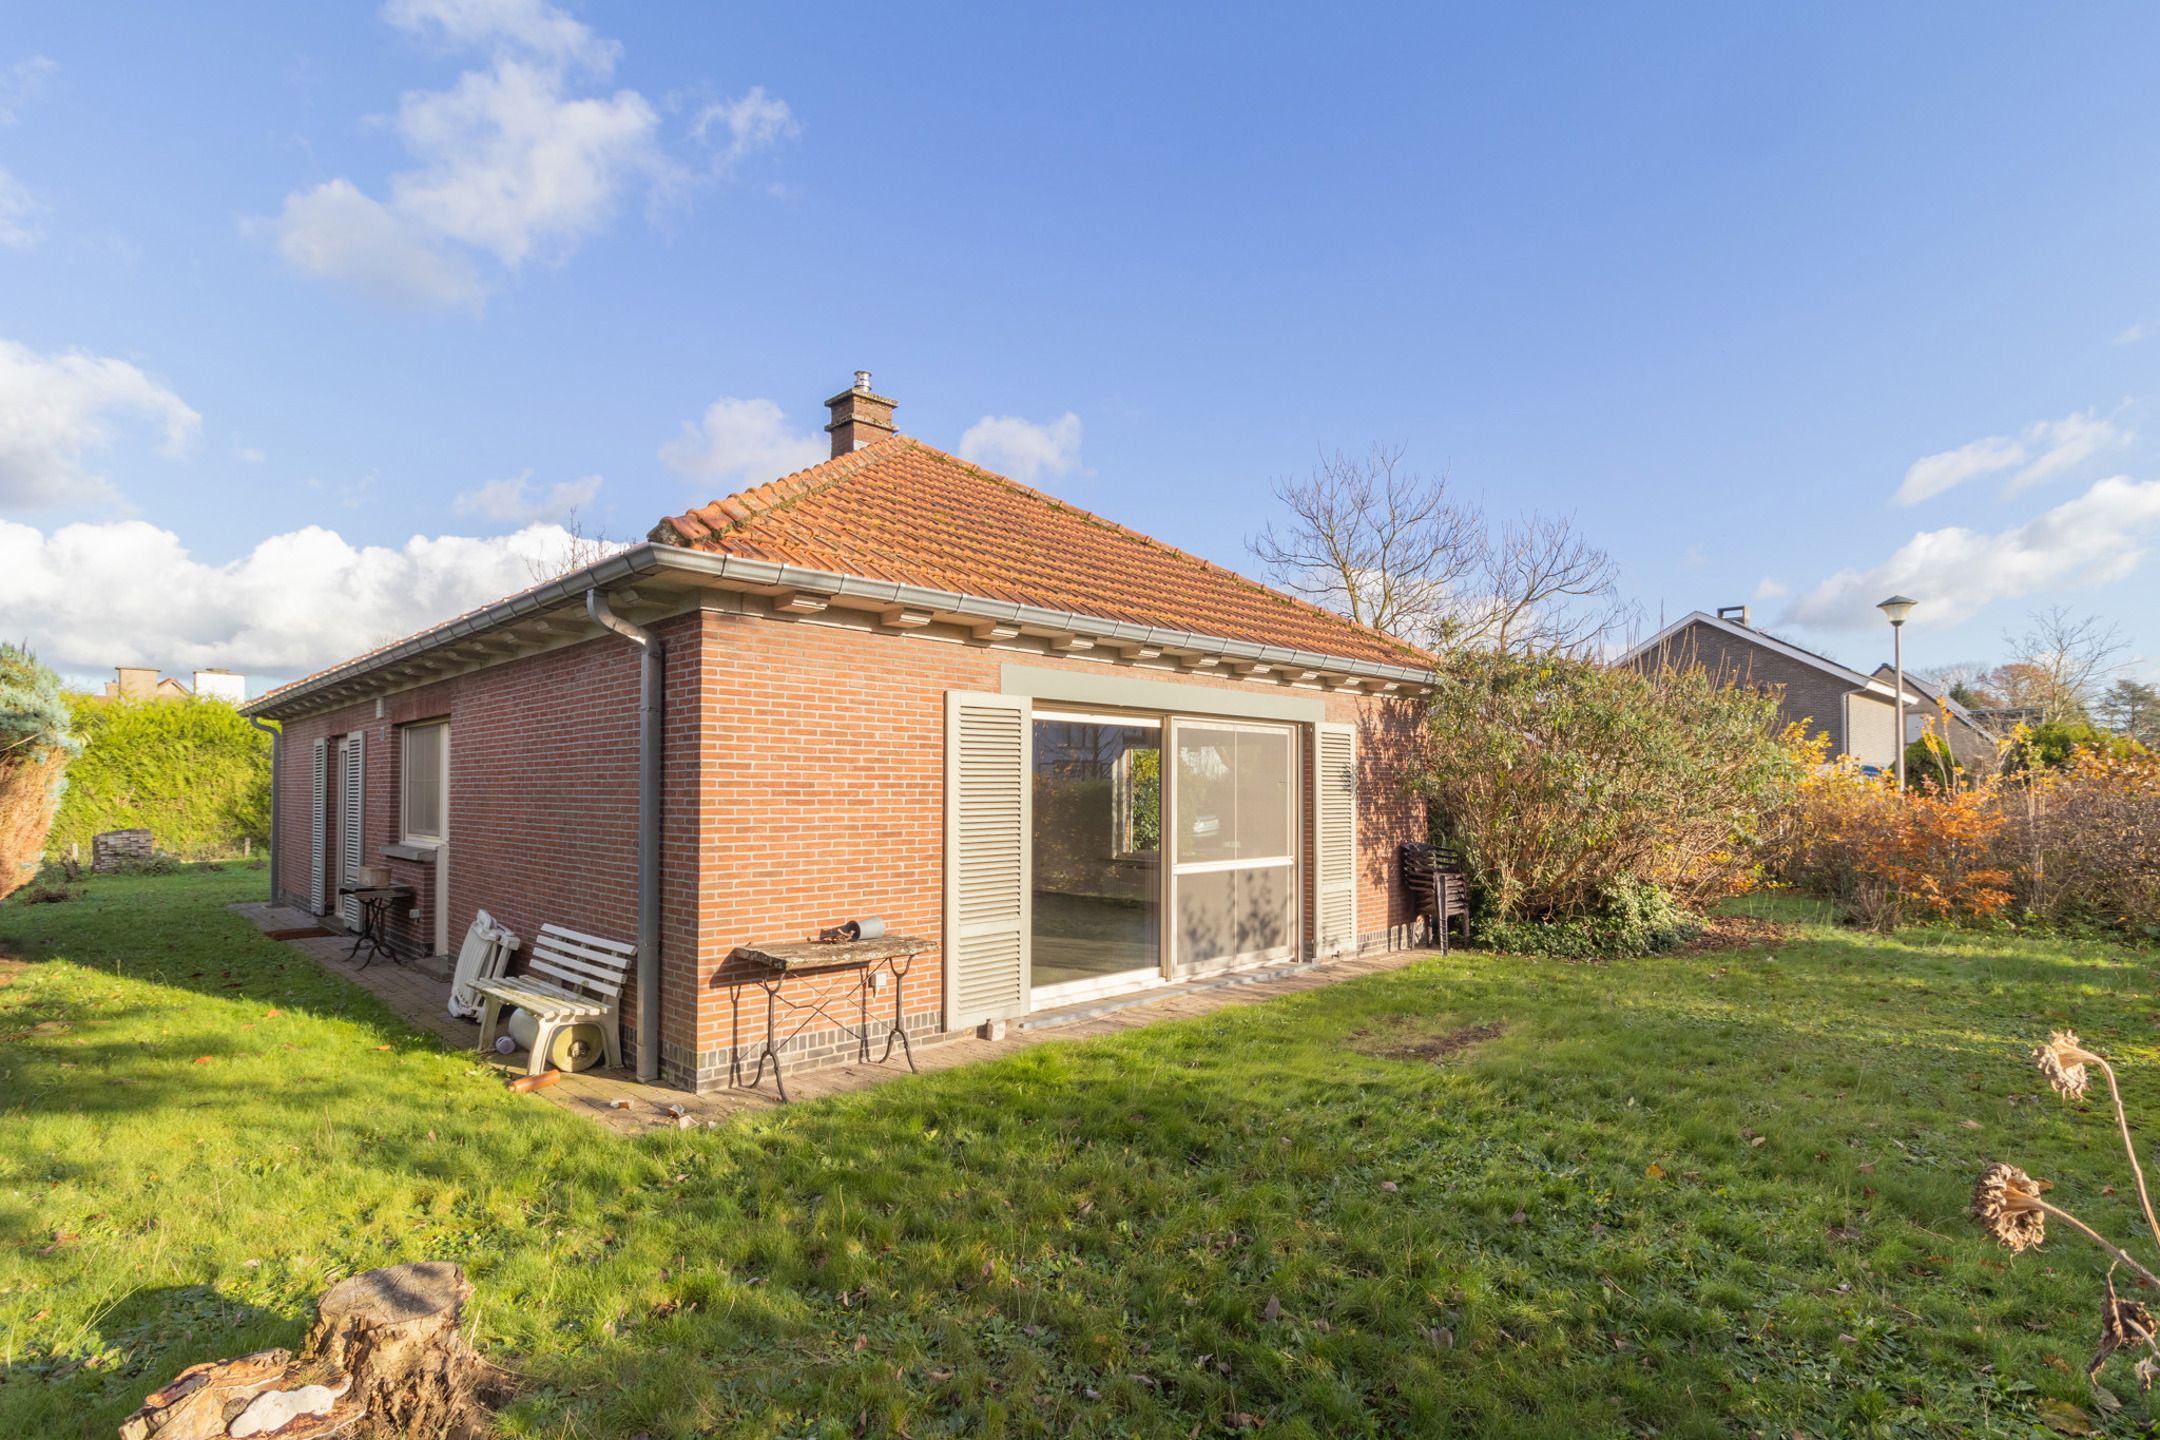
x=421, y=852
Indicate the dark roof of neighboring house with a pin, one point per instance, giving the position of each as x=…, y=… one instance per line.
x=900, y=510
x=1749, y=634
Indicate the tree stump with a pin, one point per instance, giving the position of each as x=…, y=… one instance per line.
x=383, y=1360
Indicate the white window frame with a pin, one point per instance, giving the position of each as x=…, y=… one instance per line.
x=406, y=832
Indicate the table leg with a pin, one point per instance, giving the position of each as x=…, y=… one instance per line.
x=772, y=1049
x=899, y=1027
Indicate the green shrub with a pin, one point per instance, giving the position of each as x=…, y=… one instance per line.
x=1570, y=786
x=192, y=772
x=1634, y=919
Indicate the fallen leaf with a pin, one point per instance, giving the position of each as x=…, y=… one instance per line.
x=1969, y=1124
x=2065, y=1418
x=202, y=1059
x=1654, y=1170
x=60, y=1238
x=862, y=1343
x=382, y=1047
x=1273, y=1309
x=1390, y=1186
x=1517, y=1218
x=1758, y=1140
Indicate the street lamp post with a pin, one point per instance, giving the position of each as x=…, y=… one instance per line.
x=1897, y=607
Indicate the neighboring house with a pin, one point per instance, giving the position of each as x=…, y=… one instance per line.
x=1972, y=737
x=1857, y=711
x=141, y=682
x=1079, y=761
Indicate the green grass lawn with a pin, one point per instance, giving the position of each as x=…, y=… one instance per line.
x=1258, y=1220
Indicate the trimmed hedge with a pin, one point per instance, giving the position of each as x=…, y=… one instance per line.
x=192, y=772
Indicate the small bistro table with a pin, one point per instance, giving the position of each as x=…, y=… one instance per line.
x=775, y=962
x=376, y=902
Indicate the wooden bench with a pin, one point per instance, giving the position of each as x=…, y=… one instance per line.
x=1438, y=884
x=569, y=978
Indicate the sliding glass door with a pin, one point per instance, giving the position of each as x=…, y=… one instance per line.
x=1233, y=812
x=1097, y=863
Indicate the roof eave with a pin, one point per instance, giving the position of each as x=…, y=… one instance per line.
x=740, y=573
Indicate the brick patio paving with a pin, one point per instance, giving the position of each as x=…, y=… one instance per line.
x=418, y=993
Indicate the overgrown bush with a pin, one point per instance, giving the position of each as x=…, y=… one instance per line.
x=192, y=772
x=1575, y=790
x=2082, y=841
x=2074, y=844
x=36, y=746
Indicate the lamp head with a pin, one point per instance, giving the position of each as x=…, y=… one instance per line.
x=1897, y=607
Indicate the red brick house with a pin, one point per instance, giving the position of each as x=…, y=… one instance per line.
x=1080, y=761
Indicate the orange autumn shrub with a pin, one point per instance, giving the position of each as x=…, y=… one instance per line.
x=2073, y=844
x=1891, y=859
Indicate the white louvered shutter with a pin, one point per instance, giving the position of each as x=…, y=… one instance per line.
x=351, y=833
x=319, y=833
x=1335, y=840
x=988, y=817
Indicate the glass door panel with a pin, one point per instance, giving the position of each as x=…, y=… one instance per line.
x=1097, y=855
x=1234, y=861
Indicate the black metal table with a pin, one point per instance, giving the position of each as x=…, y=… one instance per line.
x=376, y=902
x=775, y=963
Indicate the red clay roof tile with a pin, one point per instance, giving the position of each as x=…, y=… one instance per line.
x=902, y=510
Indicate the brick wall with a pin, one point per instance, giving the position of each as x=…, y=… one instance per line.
x=543, y=799
x=805, y=786
x=823, y=778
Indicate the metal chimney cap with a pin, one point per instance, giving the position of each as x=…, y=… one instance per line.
x=862, y=381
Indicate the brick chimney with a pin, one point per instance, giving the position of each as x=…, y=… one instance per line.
x=859, y=416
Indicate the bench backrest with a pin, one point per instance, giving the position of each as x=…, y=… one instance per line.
x=584, y=963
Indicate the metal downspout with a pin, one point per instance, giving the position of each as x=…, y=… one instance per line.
x=648, y=841
x=277, y=749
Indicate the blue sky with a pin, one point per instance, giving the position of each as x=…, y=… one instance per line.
x=314, y=320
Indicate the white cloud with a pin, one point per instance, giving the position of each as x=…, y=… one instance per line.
x=509, y=161
x=513, y=500
x=2058, y=445
x=1023, y=449
x=19, y=210
x=2045, y=450
x=335, y=232
x=2095, y=539
x=1772, y=588
x=54, y=409
x=126, y=592
x=249, y=455
x=752, y=122
x=21, y=82
x=530, y=26
x=1930, y=475
x=2132, y=333
x=741, y=442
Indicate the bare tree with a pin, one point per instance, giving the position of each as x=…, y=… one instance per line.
x=1396, y=550
x=578, y=549
x=2060, y=660
x=1545, y=587
x=1385, y=546
x=1965, y=681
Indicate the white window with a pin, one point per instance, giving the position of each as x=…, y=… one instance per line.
x=425, y=769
